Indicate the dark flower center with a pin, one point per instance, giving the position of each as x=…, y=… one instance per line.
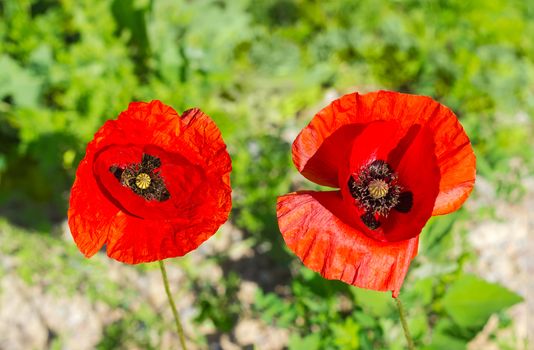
x=376, y=190
x=143, y=179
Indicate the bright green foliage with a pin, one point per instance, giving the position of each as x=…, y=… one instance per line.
x=260, y=166
x=470, y=300
x=311, y=342
x=345, y=334
x=220, y=307
x=373, y=303
x=261, y=69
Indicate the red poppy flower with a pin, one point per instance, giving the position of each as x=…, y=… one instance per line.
x=152, y=185
x=397, y=159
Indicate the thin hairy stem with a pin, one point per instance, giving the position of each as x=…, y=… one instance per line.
x=179, y=327
x=404, y=324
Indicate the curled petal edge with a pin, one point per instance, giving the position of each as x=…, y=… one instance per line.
x=326, y=244
x=454, y=152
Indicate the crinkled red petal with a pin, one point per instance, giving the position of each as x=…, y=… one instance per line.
x=90, y=212
x=196, y=171
x=374, y=142
x=133, y=240
x=416, y=164
x=411, y=156
x=325, y=243
x=453, y=150
x=185, y=180
x=334, y=151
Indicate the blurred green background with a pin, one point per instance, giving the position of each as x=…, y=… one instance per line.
x=261, y=69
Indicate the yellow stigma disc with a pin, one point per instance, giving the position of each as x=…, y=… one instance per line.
x=378, y=189
x=142, y=181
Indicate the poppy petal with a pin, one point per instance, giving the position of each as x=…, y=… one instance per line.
x=327, y=244
x=419, y=174
x=202, y=134
x=412, y=158
x=323, y=167
x=193, y=135
x=374, y=142
x=454, y=153
x=322, y=145
x=185, y=182
x=133, y=240
x=89, y=223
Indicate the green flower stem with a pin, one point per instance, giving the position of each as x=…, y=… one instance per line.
x=179, y=327
x=404, y=324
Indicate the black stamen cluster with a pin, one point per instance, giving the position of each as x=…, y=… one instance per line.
x=375, y=207
x=127, y=176
x=359, y=188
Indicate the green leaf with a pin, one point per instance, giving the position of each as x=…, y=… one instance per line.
x=470, y=301
x=376, y=303
x=365, y=320
x=445, y=337
x=19, y=83
x=345, y=335
x=310, y=342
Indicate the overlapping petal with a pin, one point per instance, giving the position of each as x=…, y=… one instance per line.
x=89, y=223
x=412, y=156
x=453, y=150
x=418, y=172
x=312, y=226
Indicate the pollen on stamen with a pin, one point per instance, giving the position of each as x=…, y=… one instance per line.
x=142, y=181
x=143, y=178
x=378, y=188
